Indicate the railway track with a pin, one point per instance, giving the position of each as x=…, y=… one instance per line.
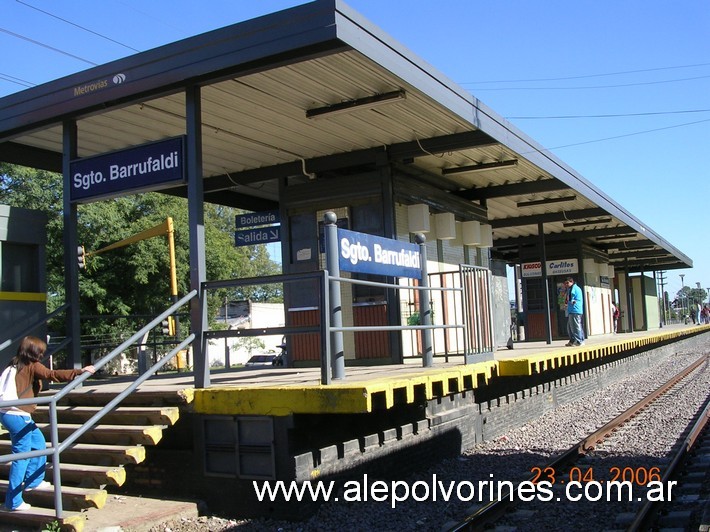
x=691, y=509
x=611, y=479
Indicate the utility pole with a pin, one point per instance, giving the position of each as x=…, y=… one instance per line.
x=682, y=308
x=662, y=283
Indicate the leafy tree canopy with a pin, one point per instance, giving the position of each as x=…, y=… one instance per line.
x=688, y=296
x=134, y=280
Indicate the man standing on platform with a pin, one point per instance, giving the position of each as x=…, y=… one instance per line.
x=575, y=308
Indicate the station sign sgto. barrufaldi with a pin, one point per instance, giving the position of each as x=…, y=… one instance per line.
x=363, y=253
x=141, y=168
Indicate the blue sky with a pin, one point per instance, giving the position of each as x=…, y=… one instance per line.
x=635, y=75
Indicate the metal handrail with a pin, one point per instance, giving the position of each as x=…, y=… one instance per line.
x=32, y=327
x=396, y=286
x=57, y=448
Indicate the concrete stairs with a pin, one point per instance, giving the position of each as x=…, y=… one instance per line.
x=96, y=461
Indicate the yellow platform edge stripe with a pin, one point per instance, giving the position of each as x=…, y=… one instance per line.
x=340, y=398
x=356, y=397
x=524, y=366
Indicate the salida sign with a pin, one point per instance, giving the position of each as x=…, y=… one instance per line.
x=363, y=253
x=146, y=167
x=257, y=235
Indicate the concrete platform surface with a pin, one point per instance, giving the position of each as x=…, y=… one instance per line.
x=136, y=514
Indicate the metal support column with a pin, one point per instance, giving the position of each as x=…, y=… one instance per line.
x=71, y=245
x=629, y=301
x=196, y=213
x=389, y=226
x=337, y=356
x=644, y=308
x=659, y=297
x=424, y=305
x=582, y=283
x=519, y=303
x=545, y=282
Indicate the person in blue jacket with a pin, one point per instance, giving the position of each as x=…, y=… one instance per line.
x=575, y=309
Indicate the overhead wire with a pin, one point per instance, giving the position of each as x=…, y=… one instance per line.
x=614, y=115
x=25, y=83
x=607, y=115
x=588, y=87
x=626, y=135
x=43, y=45
x=17, y=81
x=586, y=76
x=77, y=25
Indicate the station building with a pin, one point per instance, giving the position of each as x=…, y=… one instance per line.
x=313, y=110
x=23, y=283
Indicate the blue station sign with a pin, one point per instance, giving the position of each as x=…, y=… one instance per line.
x=146, y=167
x=254, y=219
x=363, y=253
x=257, y=235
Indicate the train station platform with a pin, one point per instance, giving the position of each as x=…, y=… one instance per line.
x=533, y=358
x=275, y=391
x=276, y=423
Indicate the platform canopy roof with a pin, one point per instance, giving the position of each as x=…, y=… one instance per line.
x=309, y=92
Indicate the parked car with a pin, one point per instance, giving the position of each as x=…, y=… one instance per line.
x=261, y=360
x=265, y=360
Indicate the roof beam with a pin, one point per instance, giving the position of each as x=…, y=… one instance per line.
x=15, y=153
x=630, y=245
x=443, y=144
x=535, y=219
x=671, y=263
x=638, y=254
x=567, y=235
x=399, y=151
x=229, y=198
x=24, y=155
x=512, y=189
x=416, y=191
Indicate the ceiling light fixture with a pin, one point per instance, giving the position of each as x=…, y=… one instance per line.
x=589, y=222
x=545, y=201
x=360, y=103
x=479, y=167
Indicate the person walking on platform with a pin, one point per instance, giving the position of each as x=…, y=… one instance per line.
x=575, y=308
x=28, y=474
x=614, y=316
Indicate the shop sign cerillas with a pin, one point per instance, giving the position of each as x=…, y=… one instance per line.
x=552, y=267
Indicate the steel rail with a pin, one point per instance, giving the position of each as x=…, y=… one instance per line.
x=495, y=509
x=598, y=436
x=644, y=515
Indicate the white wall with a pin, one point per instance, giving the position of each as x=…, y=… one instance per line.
x=262, y=315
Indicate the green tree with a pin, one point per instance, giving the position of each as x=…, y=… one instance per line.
x=133, y=282
x=688, y=298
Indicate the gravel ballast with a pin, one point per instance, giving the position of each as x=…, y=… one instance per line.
x=510, y=457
